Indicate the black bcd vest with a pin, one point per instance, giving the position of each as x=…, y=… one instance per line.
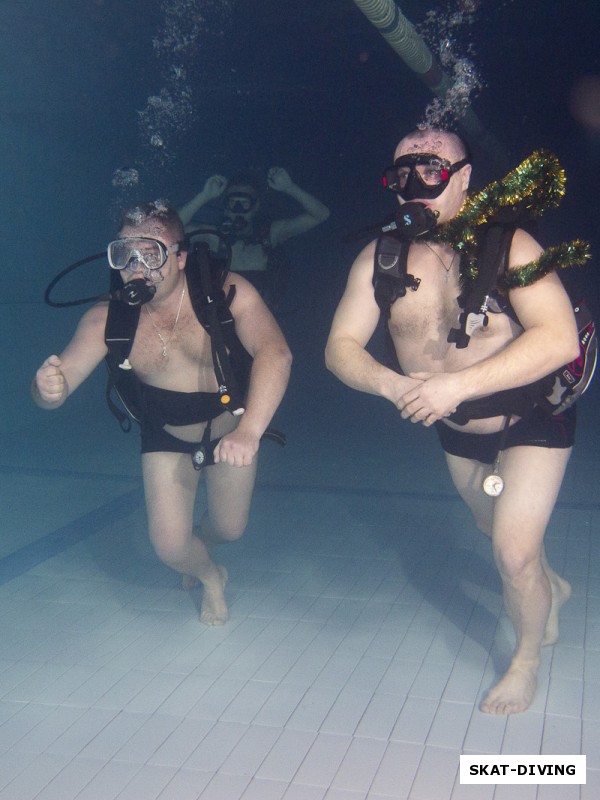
x=205, y=276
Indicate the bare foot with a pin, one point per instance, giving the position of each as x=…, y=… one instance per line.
x=513, y=693
x=561, y=591
x=214, y=609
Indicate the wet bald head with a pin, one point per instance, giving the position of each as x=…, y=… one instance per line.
x=446, y=144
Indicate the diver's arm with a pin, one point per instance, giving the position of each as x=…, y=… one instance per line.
x=548, y=341
x=261, y=336
x=315, y=212
x=269, y=376
x=59, y=376
x=354, y=323
x=214, y=187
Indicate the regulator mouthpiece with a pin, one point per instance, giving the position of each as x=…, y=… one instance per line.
x=135, y=293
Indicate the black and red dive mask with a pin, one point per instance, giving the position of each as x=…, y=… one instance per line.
x=420, y=176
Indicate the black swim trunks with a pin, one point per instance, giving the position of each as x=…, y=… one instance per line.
x=537, y=429
x=157, y=440
x=167, y=407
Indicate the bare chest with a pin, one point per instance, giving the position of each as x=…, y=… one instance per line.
x=421, y=321
x=248, y=256
x=432, y=309
x=424, y=314
x=175, y=356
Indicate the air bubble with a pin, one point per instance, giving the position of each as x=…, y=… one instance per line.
x=445, y=33
x=177, y=47
x=125, y=177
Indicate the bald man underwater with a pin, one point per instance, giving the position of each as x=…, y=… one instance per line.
x=455, y=387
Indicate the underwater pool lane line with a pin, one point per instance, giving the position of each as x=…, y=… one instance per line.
x=400, y=34
x=51, y=544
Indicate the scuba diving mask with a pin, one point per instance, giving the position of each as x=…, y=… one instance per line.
x=240, y=202
x=239, y=208
x=131, y=251
x=422, y=176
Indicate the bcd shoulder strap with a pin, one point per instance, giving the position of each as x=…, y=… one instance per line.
x=206, y=281
x=121, y=325
x=492, y=261
x=390, y=276
x=119, y=333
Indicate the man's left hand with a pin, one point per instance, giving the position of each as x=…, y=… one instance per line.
x=237, y=449
x=433, y=399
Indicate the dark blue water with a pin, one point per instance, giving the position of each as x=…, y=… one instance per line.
x=308, y=86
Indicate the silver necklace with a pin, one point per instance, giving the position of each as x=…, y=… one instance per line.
x=447, y=269
x=165, y=343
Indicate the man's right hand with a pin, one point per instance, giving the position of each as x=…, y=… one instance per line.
x=50, y=381
x=215, y=186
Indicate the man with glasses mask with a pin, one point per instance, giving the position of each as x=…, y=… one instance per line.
x=431, y=172
x=254, y=237
x=171, y=364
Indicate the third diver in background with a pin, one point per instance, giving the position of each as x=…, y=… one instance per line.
x=255, y=238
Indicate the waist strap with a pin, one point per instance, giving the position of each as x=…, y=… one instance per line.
x=510, y=402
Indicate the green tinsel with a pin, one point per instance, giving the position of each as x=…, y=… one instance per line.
x=534, y=186
x=564, y=255
x=538, y=183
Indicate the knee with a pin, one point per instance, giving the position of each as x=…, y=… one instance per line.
x=172, y=551
x=517, y=564
x=214, y=528
x=231, y=531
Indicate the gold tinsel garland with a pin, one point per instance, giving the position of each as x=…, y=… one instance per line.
x=563, y=255
x=537, y=184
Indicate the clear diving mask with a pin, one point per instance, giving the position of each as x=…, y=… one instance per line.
x=240, y=202
x=133, y=253
x=420, y=176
